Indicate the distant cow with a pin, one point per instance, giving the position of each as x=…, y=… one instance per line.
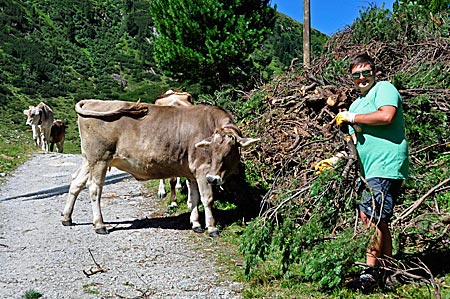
x=40, y=118
x=154, y=142
x=57, y=135
x=179, y=99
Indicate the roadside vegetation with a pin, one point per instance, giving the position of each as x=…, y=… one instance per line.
x=307, y=238
x=294, y=233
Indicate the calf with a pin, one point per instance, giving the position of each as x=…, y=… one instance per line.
x=57, y=135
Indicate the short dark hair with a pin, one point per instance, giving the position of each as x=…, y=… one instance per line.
x=362, y=59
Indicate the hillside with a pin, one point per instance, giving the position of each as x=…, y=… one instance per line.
x=62, y=51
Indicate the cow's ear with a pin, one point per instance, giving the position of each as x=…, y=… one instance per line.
x=246, y=142
x=204, y=143
x=25, y=112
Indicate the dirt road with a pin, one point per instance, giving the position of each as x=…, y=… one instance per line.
x=147, y=254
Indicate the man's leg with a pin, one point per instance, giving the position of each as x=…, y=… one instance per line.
x=381, y=245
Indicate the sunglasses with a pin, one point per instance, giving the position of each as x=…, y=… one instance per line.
x=365, y=73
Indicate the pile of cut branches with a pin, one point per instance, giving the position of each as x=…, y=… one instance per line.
x=298, y=130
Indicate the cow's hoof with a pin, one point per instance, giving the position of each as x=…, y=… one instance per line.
x=214, y=234
x=198, y=230
x=67, y=222
x=101, y=231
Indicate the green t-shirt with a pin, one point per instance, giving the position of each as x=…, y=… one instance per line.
x=382, y=150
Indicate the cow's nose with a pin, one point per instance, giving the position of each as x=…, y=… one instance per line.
x=214, y=179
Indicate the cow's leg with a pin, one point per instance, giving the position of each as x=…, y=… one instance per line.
x=189, y=199
x=178, y=185
x=42, y=138
x=195, y=198
x=206, y=196
x=36, y=135
x=95, y=185
x=173, y=192
x=161, y=189
x=79, y=179
x=60, y=146
x=52, y=146
x=46, y=140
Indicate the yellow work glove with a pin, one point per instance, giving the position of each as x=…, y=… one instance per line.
x=345, y=117
x=328, y=163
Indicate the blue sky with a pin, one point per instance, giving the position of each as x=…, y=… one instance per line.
x=328, y=16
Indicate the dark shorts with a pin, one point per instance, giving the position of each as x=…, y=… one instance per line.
x=379, y=198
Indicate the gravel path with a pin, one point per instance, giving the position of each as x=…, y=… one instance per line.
x=146, y=255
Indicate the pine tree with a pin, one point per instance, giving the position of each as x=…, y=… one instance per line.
x=209, y=41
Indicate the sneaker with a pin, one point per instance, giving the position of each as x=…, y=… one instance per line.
x=367, y=280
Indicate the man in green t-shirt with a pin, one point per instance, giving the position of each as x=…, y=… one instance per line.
x=382, y=154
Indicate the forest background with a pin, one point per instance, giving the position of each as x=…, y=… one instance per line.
x=246, y=58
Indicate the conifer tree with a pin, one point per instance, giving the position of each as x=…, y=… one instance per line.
x=209, y=41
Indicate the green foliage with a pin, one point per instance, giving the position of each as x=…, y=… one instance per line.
x=434, y=6
x=285, y=47
x=212, y=39
x=256, y=244
x=329, y=262
x=32, y=294
x=90, y=289
x=309, y=237
x=426, y=127
x=16, y=146
x=432, y=141
x=305, y=237
x=66, y=48
x=408, y=22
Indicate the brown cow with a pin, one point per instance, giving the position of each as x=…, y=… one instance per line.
x=174, y=98
x=40, y=118
x=179, y=99
x=153, y=142
x=57, y=135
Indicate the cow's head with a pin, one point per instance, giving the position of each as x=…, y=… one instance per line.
x=224, y=146
x=33, y=115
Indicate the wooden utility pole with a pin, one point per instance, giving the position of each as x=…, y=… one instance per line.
x=306, y=34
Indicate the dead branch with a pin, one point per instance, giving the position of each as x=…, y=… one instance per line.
x=93, y=270
x=408, y=272
x=411, y=209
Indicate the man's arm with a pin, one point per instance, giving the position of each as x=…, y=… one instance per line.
x=383, y=116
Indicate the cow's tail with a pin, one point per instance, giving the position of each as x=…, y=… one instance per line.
x=135, y=110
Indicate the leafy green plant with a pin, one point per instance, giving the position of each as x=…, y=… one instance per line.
x=304, y=236
x=89, y=289
x=32, y=294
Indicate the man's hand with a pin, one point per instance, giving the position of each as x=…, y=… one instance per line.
x=345, y=117
x=325, y=164
x=328, y=163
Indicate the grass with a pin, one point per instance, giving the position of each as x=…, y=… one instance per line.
x=89, y=289
x=16, y=146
